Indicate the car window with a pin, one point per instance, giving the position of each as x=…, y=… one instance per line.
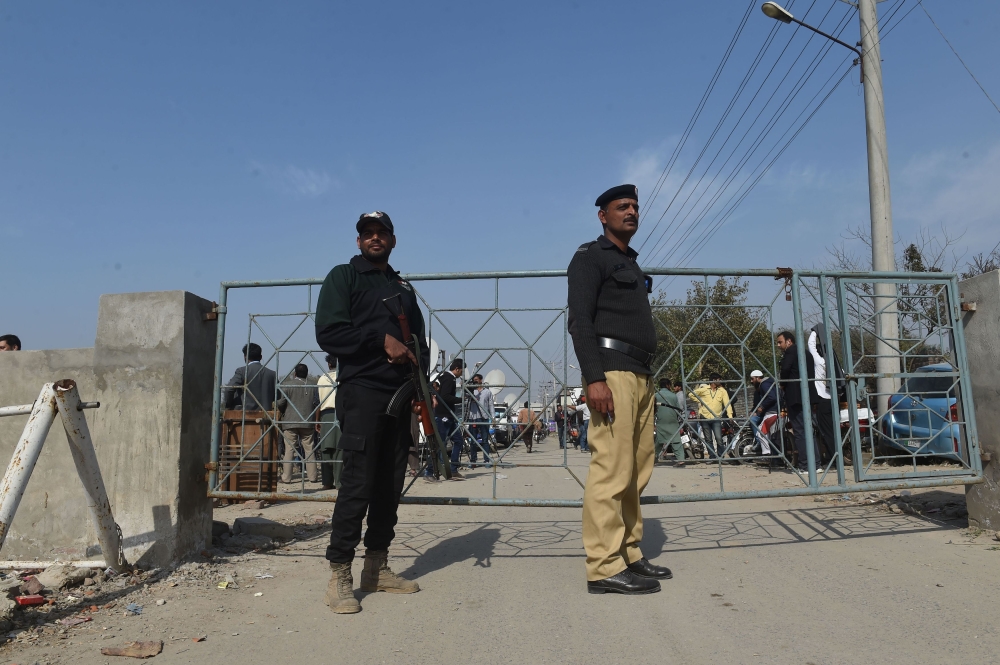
x=930, y=385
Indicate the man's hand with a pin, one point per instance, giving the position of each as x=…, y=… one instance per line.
x=397, y=351
x=600, y=399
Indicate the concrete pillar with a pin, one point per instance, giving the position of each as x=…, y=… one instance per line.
x=982, y=338
x=151, y=368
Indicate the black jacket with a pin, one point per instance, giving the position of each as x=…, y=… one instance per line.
x=790, y=384
x=352, y=322
x=765, y=396
x=447, y=399
x=608, y=297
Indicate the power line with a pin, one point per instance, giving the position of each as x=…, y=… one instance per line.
x=718, y=126
x=934, y=23
x=783, y=107
x=732, y=208
x=715, y=130
x=694, y=117
x=728, y=209
x=740, y=194
x=755, y=144
x=901, y=19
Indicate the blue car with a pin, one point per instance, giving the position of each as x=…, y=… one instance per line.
x=923, y=416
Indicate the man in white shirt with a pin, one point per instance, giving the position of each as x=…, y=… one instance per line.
x=329, y=427
x=585, y=412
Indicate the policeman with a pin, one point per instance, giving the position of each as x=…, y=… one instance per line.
x=355, y=326
x=612, y=328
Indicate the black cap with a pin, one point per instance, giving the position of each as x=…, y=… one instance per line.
x=615, y=193
x=377, y=216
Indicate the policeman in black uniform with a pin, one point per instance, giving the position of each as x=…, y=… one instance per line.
x=611, y=323
x=355, y=326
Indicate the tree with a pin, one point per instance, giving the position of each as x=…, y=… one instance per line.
x=712, y=330
x=982, y=263
x=922, y=306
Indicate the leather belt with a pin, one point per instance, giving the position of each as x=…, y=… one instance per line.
x=629, y=350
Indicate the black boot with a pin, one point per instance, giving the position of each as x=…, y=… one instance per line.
x=643, y=568
x=624, y=582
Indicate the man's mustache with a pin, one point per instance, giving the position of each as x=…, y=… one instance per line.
x=631, y=218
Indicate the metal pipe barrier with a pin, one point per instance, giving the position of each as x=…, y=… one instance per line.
x=61, y=399
x=725, y=323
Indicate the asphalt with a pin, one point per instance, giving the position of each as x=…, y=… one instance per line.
x=755, y=581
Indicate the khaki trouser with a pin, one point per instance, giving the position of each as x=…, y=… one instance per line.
x=620, y=466
x=308, y=435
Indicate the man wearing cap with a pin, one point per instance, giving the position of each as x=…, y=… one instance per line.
x=354, y=326
x=612, y=328
x=765, y=402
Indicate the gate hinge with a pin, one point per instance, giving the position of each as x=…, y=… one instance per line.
x=212, y=315
x=968, y=306
x=985, y=457
x=211, y=466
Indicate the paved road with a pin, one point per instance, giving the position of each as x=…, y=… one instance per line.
x=764, y=581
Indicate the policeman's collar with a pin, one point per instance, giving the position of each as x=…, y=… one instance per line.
x=361, y=264
x=603, y=241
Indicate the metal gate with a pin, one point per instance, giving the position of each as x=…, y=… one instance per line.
x=902, y=409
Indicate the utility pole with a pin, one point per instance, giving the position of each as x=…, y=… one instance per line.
x=883, y=253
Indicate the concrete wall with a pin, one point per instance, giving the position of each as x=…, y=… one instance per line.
x=151, y=369
x=982, y=337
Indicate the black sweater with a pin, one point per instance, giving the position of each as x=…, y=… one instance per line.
x=608, y=297
x=352, y=322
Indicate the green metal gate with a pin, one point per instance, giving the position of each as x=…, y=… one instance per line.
x=725, y=322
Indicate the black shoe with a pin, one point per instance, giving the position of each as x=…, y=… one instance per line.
x=643, y=568
x=624, y=582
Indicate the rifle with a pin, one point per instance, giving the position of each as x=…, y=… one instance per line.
x=417, y=392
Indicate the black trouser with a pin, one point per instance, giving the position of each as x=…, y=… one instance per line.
x=827, y=436
x=374, y=446
x=799, y=431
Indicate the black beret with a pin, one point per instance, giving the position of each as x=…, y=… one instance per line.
x=615, y=193
x=377, y=216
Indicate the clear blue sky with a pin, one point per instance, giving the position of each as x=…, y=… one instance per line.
x=150, y=146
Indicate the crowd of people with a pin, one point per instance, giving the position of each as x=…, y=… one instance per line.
x=711, y=412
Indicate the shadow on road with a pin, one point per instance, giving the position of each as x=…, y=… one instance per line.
x=476, y=545
x=437, y=544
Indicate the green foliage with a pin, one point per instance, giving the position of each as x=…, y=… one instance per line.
x=712, y=329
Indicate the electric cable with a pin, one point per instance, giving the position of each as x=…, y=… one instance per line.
x=940, y=32
x=753, y=67
x=756, y=143
x=694, y=117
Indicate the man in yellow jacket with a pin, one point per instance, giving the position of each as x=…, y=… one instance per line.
x=713, y=402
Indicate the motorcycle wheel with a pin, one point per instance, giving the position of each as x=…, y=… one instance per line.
x=745, y=445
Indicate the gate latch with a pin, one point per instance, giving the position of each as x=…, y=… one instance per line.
x=786, y=274
x=213, y=314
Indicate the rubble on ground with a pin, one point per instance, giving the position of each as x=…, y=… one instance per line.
x=76, y=597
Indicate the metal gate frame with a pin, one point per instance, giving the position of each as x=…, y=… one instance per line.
x=794, y=281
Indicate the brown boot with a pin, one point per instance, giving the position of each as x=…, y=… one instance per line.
x=340, y=591
x=376, y=575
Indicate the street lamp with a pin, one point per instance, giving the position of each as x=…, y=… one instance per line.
x=880, y=205
x=779, y=13
x=776, y=11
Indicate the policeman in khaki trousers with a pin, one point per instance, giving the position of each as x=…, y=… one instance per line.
x=612, y=328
